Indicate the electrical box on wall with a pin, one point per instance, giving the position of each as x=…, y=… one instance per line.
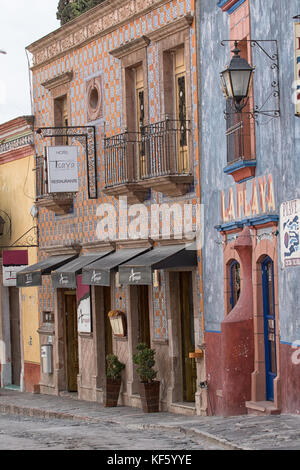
x=46, y=358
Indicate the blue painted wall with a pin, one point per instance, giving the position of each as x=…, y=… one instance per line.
x=277, y=143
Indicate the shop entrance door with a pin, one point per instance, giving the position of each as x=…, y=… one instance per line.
x=107, y=326
x=189, y=372
x=143, y=314
x=14, y=314
x=269, y=326
x=71, y=340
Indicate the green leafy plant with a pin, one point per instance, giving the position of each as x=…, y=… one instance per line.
x=67, y=10
x=144, y=359
x=113, y=367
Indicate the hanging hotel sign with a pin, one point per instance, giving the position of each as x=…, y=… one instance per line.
x=290, y=233
x=249, y=199
x=13, y=261
x=62, y=164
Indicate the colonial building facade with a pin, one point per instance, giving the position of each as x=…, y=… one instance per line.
x=250, y=191
x=118, y=193
x=19, y=340
x=159, y=220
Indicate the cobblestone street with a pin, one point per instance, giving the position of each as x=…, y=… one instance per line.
x=39, y=422
x=24, y=433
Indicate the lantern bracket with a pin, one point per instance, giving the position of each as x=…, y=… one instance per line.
x=272, y=54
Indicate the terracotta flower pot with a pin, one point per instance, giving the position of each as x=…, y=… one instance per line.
x=149, y=393
x=112, y=392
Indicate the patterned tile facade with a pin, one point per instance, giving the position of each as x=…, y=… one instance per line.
x=88, y=60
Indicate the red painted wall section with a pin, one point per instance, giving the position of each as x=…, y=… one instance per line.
x=214, y=368
x=237, y=346
x=290, y=378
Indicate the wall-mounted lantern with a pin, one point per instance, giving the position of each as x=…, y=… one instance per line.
x=236, y=79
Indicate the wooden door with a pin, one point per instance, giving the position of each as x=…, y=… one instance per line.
x=143, y=314
x=14, y=313
x=189, y=373
x=107, y=326
x=71, y=341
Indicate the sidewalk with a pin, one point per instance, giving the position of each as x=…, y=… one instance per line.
x=274, y=432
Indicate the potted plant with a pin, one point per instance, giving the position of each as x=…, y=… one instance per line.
x=113, y=380
x=149, y=387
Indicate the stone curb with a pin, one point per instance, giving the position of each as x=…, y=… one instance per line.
x=194, y=433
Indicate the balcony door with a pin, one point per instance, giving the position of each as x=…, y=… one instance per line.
x=180, y=112
x=140, y=118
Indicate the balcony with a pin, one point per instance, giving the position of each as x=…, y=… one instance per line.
x=241, y=163
x=120, y=167
x=59, y=203
x=155, y=158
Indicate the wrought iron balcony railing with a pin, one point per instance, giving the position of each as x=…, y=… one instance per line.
x=120, y=151
x=164, y=149
x=60, y=203
x=158, y=150
x=238, y=133
x=40, y=172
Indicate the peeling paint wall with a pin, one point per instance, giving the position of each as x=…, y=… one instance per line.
x=277, y=142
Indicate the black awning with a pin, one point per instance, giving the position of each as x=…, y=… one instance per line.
x=32, y=275
x=139, y=269
x=98, y=273
x=65, y=276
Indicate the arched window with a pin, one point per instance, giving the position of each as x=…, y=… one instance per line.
x=235, y=283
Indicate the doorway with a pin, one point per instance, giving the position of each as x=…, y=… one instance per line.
x=14, y=316
x=269, y=326
x=72, y=362
x=143, y=314
x=186, y=318
x=107, y=325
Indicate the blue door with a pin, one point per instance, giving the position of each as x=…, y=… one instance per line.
x=269, y=325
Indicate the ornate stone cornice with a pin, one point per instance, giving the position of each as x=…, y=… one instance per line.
x=16, y=139
x=129, y=47
x=94, y=23
x=14, y=144
x=15, y=127
x=132, y=46
x=57, y=250
x=58, y=80
x=177, y=25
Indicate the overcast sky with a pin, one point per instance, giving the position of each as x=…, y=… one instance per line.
x=21, y=23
